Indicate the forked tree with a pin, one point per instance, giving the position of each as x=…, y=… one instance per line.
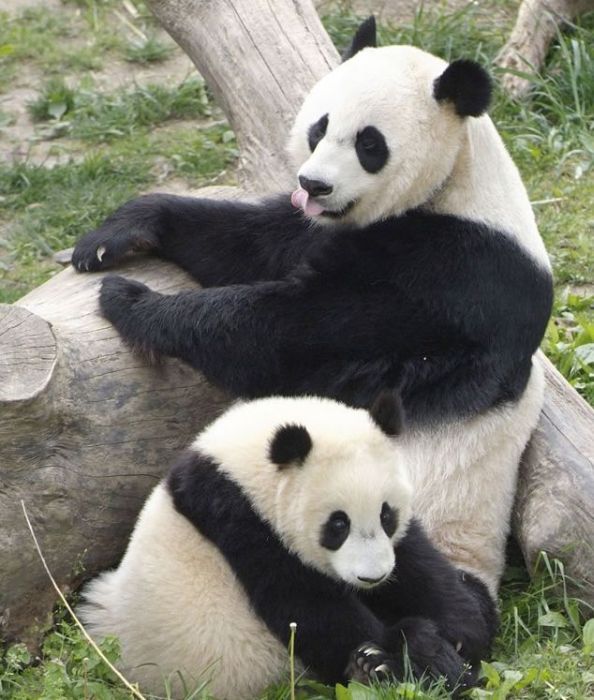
x=87, y=429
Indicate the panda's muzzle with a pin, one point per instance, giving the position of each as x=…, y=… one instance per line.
x=338, y=213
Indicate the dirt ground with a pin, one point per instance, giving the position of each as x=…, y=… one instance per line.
x=22, y=138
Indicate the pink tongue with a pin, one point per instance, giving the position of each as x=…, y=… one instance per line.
x=300, y=200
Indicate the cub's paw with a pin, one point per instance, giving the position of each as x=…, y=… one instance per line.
x=432, y=656
x=370, y=663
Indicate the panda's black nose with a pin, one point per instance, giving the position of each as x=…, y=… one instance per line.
x=316, y=188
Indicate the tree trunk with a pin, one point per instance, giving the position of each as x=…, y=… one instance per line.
x=86, y=429
x=536, y=26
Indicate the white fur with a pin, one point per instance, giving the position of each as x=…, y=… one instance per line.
x=437, y=159
x=174, y=602
x=464, y=479
x=175, y=605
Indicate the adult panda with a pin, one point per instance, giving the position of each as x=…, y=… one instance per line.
x=287, y=510
x=408, y=258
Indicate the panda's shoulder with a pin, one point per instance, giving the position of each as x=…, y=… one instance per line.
x=417, y=241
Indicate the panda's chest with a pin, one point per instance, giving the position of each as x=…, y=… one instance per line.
x=353, y=261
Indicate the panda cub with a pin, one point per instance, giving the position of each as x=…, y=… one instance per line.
x=287, y=510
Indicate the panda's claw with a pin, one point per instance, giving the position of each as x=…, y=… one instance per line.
x=370, y=650
x=383, y=669
x=369, y=663
x=100, y=253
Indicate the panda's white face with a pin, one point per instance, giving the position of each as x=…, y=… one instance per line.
x=344, y=519
x=332, y=484
x=371, y=140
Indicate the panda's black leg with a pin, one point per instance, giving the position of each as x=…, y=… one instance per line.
x=417, y=651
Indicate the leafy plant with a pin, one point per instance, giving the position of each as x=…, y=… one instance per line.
x=149, y=50
x=569, y=341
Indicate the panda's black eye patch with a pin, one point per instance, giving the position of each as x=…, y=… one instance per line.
x=372, y=149
x=335, y=530
x=389, y=519
x=317, y=132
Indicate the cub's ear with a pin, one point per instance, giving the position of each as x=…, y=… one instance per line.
x=290, y=446
x=387, y=413
x=365, y=36
x=466, y=85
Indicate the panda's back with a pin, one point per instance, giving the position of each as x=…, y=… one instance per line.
x=175, y=582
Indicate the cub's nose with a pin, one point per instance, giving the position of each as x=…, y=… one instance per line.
x=316, y=188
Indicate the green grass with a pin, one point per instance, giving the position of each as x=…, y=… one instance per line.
x=88, y=115
x=50, y=208
x=149, y=50
x=544, y=651
x=46, y=40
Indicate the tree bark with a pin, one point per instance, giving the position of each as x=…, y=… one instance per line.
x=87, y=429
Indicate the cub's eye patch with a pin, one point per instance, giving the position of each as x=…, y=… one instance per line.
x=389, y=519
x=317, y=132
x=372, y=149
x=335, y=530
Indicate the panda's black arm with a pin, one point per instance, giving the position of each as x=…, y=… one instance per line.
x=217, y=242
x=308, y=335
x=331, y=621
x=273, y=337
x=425, y=584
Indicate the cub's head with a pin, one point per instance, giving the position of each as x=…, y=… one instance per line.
x=380, y=133
x=329, y=479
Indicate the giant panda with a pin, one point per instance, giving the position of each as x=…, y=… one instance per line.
x=287, y=510
x=408, y=258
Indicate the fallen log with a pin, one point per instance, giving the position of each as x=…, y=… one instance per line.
x=86, y=429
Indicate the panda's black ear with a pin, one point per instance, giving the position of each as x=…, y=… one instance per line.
x=467, y=85
x=365, y=36
x=290, y=445
x=387, y=413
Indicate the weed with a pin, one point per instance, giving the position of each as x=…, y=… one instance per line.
x=96, y=116
x=569, y=341
x=55, y=101
x=149, y=50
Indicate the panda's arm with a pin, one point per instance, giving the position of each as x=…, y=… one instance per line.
x=426, y=585
x=254, y=340
x=217, y=242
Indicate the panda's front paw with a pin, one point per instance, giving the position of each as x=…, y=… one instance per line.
x=370, y=663
x=100, y=249
x=119, y=299
x=128, y=229
x=429, y=655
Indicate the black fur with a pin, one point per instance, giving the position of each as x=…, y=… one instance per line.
x=335, y=531
x=387, y=413
x=426, y=607
x=389, y=519
x=372, y=149
x=290, y=445
x=446, y=310
x=366, y=35
x=316, y=132
x=466, y=85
